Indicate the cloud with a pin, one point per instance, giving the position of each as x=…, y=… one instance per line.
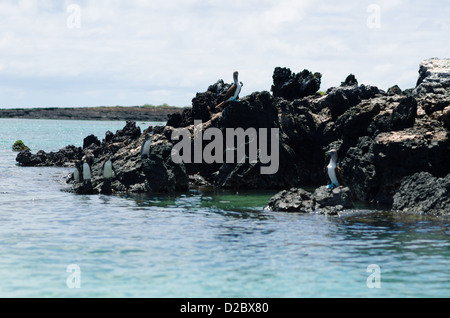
x=137, y=51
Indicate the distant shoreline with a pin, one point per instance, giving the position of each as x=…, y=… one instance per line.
x=119, y=113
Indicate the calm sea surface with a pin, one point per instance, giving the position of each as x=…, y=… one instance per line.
x=207, y=245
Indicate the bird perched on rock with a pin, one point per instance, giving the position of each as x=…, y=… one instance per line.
x=145, y=149
x=87, y=173
x=233, y=92
x=334, y=171
x=108, y=168
x=77, y=172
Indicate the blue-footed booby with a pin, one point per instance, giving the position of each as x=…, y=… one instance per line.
x=334, y=171
x=145, y=149
x=233, y=92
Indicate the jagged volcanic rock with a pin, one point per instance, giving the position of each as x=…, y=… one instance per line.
x=323, y=200
x=381, y=138
x=424, y=194
x=290, y=86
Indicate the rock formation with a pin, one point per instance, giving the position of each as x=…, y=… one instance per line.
x=323, y=200
x=382, y=138
x=62, y=158
x=423, y=193
x=385, y=140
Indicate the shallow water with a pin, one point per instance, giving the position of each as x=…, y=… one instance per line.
x=196, y=244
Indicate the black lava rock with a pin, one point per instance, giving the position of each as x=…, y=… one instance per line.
x=323, y=200
x=424, y=194
x=292, y=86
x=89, y=140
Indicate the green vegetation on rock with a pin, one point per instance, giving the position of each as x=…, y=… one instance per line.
x=19, y=146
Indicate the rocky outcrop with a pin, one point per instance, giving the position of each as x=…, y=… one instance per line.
x=323, y=200
x=424, y=194
x=291, y=86
x=62, y=158
x=433, y=87
x=92, y=146
x=339, y=99
x=392, y=137
x=381, y=138
x=293, y=200
x=350, y=81
x=134, y=174
x=434, y=76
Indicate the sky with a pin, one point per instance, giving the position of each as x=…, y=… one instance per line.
x=74, y=53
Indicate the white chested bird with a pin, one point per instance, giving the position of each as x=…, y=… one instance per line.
x=145, y=149
x=233, y=92
x=334, y=171
x=108, y=168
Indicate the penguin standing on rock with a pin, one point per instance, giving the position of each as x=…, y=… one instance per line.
x=145, y=149
x=77, y=172
x=87, y=175
x=334, y=171
x=108, y=169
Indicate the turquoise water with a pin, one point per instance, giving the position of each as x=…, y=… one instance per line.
x=196, y=244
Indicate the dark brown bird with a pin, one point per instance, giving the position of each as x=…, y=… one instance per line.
x=233, y=92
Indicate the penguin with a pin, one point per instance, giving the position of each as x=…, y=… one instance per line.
x=108, y=168
x=334, y=171
x=145, y=149
x=87, y=174
x=77, y=173
x=233, y=92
